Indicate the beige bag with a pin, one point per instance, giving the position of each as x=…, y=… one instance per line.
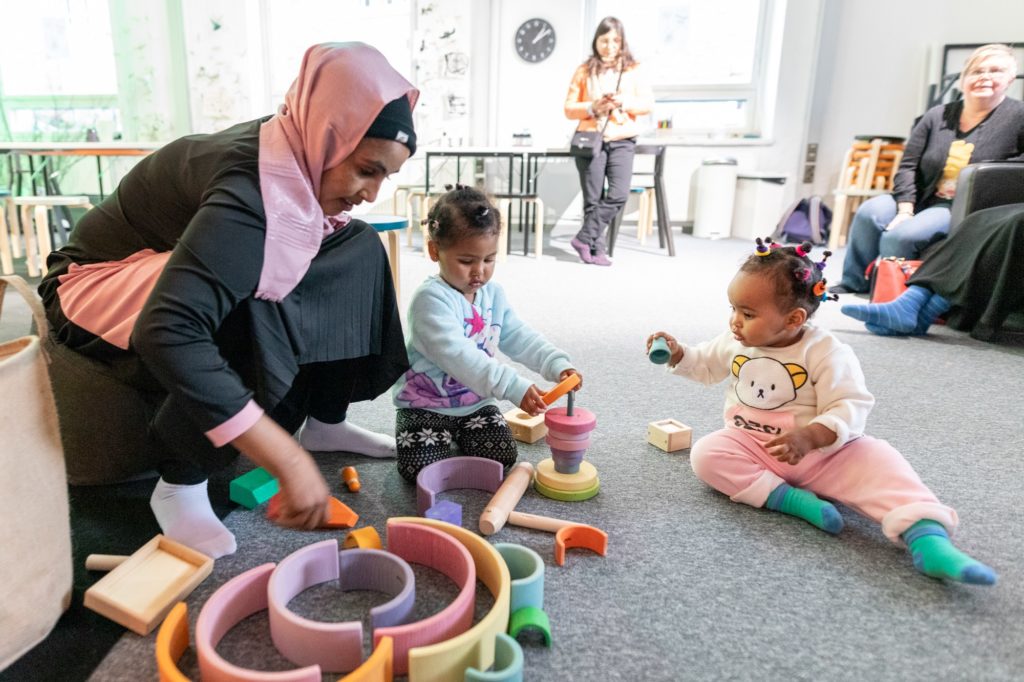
x=35, y=531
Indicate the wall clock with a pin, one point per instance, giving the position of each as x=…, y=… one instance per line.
x=535, y=40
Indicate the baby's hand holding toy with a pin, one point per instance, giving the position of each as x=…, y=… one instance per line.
x=663, y=348
x=533, y=402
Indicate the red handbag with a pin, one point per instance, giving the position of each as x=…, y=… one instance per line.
x=888, y=277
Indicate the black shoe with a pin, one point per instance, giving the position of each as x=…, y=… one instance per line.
x=840, y=289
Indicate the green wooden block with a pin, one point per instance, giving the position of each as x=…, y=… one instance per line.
x=253, y=488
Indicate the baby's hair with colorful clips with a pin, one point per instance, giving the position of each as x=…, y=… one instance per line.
x=798, y=280
x=461, y=212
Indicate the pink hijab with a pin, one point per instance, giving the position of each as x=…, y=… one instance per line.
x=340, y=90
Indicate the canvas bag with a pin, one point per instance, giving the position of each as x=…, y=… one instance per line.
x=35, y=530
x=806, y=220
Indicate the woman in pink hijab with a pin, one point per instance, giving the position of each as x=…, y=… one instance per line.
x=225, y=281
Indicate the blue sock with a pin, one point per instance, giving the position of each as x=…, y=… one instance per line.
x=900, y=315
x=935, y=556
x=805, y=505
x=935, y=306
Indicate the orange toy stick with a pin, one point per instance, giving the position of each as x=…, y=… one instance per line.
x=351, y=479
x=567, y=384
x=339, y=515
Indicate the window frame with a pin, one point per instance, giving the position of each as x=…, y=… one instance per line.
x=752, y=92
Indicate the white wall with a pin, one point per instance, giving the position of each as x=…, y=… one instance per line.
x=886, y=53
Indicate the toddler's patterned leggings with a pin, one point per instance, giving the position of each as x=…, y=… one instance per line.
x=425, y=437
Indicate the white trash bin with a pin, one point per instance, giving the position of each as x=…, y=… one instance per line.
x=758, y=204
x=716, y=190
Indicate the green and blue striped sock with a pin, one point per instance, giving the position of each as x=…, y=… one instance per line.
x=805, y=505
x=936, y=556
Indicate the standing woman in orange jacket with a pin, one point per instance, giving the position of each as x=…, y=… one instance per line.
x=607, y=94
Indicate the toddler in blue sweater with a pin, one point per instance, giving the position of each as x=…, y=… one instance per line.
x=458, y=319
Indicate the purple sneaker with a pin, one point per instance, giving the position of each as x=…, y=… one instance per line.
x=582, y=249
x=601, y=259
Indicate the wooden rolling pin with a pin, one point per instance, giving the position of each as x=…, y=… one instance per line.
x=104, y=562
x=505, y=499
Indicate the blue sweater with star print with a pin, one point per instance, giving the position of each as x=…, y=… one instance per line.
x=452, y=345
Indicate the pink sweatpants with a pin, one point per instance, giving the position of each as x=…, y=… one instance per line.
x=867, y=475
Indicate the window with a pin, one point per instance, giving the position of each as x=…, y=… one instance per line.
x=58, y=77
x=704, y=60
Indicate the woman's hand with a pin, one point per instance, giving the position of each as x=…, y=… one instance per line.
x=904, y=212
x=304, y=492
x=532, y=404
x=673, y=347
x=304, y=495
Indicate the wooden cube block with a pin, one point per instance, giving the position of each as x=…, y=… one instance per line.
x=669, y=435
x=525, y=429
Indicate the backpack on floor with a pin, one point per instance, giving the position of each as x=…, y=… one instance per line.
x=807, y=220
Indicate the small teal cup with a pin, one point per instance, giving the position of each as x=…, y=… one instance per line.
x=659, y=353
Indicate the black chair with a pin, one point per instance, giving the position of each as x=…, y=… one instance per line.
x=984, y=185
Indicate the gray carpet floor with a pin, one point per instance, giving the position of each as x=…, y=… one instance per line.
x=695, y=587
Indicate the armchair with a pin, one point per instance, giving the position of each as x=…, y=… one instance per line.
x=984, y=185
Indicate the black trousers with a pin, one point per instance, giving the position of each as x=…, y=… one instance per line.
x=614, y=162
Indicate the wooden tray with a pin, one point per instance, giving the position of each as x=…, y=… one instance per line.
x=140, y=592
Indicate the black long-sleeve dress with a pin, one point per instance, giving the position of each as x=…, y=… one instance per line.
x=979, y=268
x=210, y=344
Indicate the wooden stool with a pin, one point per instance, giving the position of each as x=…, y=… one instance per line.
x=645, y=212
x=389, y=224
x=38, y=245
x=505, y=206
x=8, y=223
x=410, y=195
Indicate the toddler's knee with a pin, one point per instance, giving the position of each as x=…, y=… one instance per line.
x=702, y=460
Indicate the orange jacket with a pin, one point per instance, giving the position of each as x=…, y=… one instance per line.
x=637, y=100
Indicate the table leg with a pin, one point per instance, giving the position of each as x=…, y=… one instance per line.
x=661, y=200
x=394, y=261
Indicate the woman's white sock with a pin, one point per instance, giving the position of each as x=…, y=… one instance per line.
x=344, y=436
x=185, y=514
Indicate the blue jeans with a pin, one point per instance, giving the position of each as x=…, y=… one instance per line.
x=869, y=240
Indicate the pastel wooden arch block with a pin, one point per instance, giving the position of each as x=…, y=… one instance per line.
x=669, y=435
x=379, y=667
x=524, y=428
x=532, y=618
x=171, y=642
x=363, y=538
x=508, y=663
x=334, y=646
x=586, y=537
x=434, y=549
x=527, y=571
x=448, y=661
x=454, y=473
x=235, y=600
x=253, y=488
